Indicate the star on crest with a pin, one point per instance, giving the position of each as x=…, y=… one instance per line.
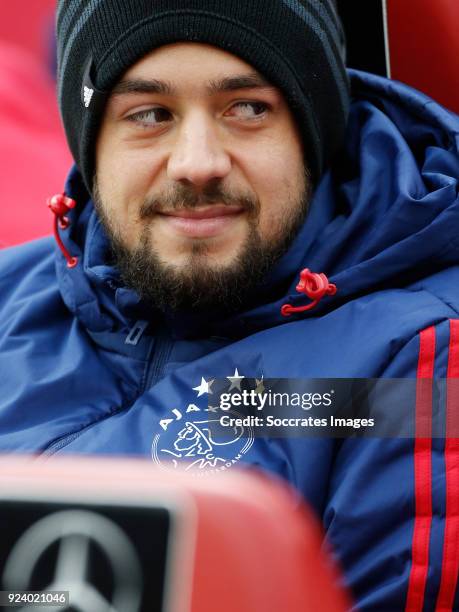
x=204, y=387
x=235, y=380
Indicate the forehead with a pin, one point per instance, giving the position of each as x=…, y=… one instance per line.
x=192, y=65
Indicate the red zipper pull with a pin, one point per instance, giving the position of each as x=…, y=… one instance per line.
x=315, y=286
x=60, y=205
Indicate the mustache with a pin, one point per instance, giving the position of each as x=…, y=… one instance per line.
x=186, y=197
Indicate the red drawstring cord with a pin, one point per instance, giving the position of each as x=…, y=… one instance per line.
x=315, y=286
x=60, y=205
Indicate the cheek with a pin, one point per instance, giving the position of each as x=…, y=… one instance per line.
x=126, y=173
x=280, y=188
x=125, y=179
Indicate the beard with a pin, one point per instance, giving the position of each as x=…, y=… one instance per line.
x=197, y=286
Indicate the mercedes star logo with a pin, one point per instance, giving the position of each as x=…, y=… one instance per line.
x=75, y=530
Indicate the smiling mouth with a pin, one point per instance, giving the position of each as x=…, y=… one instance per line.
x=201, y=222
x=204, y=212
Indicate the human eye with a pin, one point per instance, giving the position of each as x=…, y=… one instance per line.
x=247, y=110
x=151, y=117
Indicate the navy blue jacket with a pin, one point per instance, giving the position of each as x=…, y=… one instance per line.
x=85, y=369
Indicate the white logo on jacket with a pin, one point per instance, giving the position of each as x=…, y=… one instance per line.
x=193, y=439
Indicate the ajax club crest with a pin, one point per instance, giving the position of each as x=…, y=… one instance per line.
x=192, y=439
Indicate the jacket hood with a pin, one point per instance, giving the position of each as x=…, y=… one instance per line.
x=384, y=216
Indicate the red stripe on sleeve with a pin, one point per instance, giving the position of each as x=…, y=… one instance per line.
x=450, y=564
x=422, y=472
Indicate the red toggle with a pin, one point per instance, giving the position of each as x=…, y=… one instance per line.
x=60, y=205
x=315, y=286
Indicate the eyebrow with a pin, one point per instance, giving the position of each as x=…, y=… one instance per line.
x=142, y=86
x=226, y=84
x=234, y=83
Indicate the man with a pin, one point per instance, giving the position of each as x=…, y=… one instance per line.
x=200, y=131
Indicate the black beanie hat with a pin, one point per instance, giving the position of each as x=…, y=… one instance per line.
x=297, y=45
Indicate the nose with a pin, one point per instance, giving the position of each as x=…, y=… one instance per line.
x=198, y=155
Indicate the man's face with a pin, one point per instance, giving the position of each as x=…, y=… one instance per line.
x=200, y=177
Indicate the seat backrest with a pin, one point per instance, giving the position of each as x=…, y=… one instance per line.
x=231, y=541
x=413, y=41
x=34, y=157
x=424, y=46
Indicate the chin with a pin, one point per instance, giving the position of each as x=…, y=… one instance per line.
x=207, y=261
x=208, y=252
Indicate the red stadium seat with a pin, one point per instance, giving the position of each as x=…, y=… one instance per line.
x=34, y=158
x=424, y=46
x=27, y=24
x=239, y=541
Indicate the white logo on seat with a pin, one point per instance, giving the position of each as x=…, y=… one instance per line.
x=75, y=531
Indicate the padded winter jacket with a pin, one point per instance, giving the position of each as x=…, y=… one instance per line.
x=84, y=368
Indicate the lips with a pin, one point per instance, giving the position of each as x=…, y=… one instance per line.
x=204, y=222
x=208, y=212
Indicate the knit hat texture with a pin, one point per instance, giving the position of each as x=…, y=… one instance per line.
x=297, y=45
